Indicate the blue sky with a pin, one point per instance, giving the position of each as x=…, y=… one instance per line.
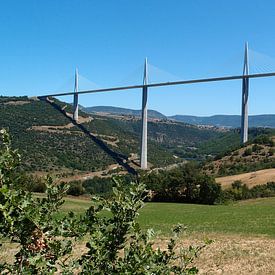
x=42, y=42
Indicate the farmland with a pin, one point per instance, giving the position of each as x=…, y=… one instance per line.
x=249, y=218
x=243, y=233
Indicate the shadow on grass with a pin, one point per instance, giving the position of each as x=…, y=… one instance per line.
x=119, y=158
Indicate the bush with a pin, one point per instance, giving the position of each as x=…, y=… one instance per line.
x=116, y=244
x=240, y=191
x=247, y=152
x=256, y=148
x=76, y=189
x=210, y=192
x=264, y=139
x=185, y=184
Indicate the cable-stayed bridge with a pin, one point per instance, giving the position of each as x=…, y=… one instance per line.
x=258, y=72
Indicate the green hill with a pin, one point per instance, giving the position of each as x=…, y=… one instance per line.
x=50, y=142
x=257, y=154
x=122, y=111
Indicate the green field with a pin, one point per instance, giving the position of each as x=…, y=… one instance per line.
x=251, y=217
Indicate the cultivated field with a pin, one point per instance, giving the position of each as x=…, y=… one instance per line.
x=250, y=179
x=243, y=233
x=248, y=218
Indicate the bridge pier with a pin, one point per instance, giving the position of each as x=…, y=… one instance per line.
x=143, y=153
x=75, y=104
x=245, y=92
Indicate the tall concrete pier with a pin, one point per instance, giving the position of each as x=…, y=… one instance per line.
x=143, y=153
x=245, y=91
x=75, y=106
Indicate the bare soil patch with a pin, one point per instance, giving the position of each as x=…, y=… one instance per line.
x=18, y=102
x=232, y=254
x=250, y=179
x=228, y=254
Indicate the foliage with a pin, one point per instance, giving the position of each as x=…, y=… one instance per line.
x=76, y=189
x=60, y=149
x=30, y=222
x=247, y=152
x=116, y=244
x=184, y=184
x=240, y=191
x=264, y=139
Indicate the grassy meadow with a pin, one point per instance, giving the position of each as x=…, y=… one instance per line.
x=249, y=218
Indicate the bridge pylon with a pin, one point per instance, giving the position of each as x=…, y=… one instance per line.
x=245, y=92
x=143, y=153
x=75, y=104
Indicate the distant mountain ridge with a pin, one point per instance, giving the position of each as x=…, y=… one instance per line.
x=230, y=121
x=122, y=111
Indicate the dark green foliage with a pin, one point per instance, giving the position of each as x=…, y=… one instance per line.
x=247, y=152
x=222, y=145
x=264, y=139
x=271, y=152
x=210, y=191
x=185, y=184
x=227, y=142
x=256, y=148
x=99, y=186
x=241, y=167
x=76, y=189
x=240, y=191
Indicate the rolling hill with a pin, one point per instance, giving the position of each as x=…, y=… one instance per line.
x=228, y=121
x=121, y=111
x=50, y=142
x=258, y=154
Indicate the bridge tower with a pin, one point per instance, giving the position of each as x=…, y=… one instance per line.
x=143, y=153
x=245, y=91
x=75, y=106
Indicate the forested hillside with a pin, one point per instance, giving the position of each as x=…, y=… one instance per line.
x=50, y=142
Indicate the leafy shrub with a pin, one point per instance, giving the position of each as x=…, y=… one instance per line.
x=240, y=191
x=76, y=189
x=256, y=148
x=116, y=244
x=247, y=152
x=185, y=184
x=264, y=139
x=209, y=192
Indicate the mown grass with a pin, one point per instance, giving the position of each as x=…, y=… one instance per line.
x=251, y=217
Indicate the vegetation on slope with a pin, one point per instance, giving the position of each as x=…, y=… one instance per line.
x=255, y=155
x=50, y=142
x=45, y=240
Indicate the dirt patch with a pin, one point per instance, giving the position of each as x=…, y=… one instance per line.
x=227, y=254
x=49, y=128
x=238, y=255
x=232, y=254
x=250, y=179
x=19, y=102
x=89, y=175
x=110, y=140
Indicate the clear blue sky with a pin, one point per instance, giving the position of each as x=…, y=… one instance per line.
x=43, y=41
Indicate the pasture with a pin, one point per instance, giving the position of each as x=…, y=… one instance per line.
x=243, y=233
x=250, y=218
